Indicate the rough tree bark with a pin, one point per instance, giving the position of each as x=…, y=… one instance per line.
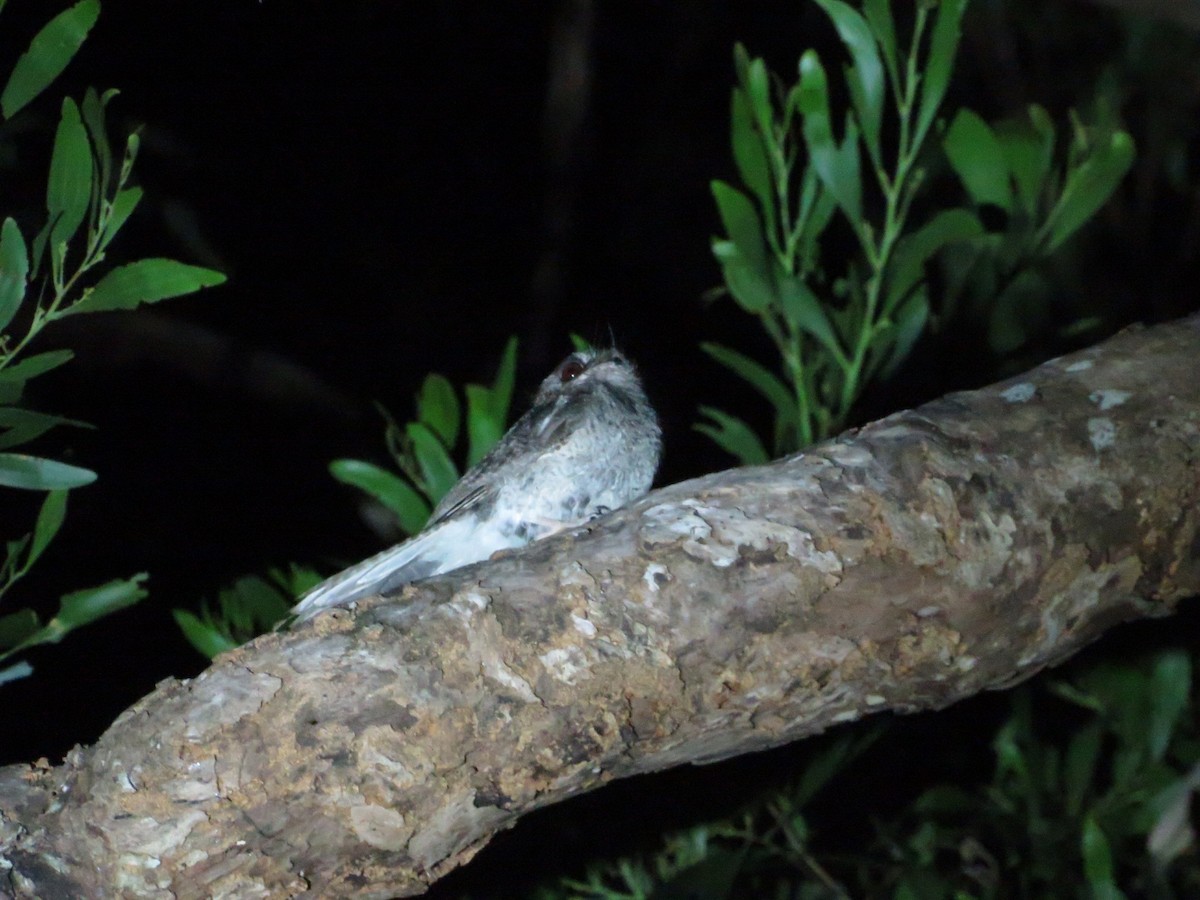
x=937, y=553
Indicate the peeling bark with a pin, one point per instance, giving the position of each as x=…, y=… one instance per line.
x=937, y=553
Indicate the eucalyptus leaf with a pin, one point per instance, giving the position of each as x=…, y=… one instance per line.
x=943, y=48
x=14, y=271
x=93, y=117
x=803, y=310
x=503, y=383
x=914, y=251
x=145, y=281
x=1097, y=861
x=207, y=639
x=976, y=155
x=69, y=189
x=1087, y=188
x=742, y=224
x=16, y=628
x=1079, y=765
x=23, y=425
x=908, y=325
x=123, y=205
x=437, y=468
x=750, y=154
x=80, y=608
x=878, y=14
x=49, y=520
x=733, y=436
x=48, y=54
x=1171, y=682
x=483, y=428
x=749, y=288
x=36, y=474
x=865, y=78
x=837, y=165
x=32, y=366
x=438, y=407
x=757, y=376
x=390, y=489
x=1028, y=147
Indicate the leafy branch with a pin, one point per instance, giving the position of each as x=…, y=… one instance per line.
x=88, y=200
x=835, y=331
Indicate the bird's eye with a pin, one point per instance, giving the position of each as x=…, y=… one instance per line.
x=571, y=370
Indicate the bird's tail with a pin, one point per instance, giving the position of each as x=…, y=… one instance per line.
x=379, y=574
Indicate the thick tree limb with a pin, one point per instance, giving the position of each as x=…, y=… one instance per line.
x=934, y=554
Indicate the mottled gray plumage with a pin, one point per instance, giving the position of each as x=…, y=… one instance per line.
x=589, y=444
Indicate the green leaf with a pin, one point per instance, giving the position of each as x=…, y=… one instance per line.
x=943, y=48
x=1171, y=683
x=837, y=165
x=438, y=407
x=742, y=224
x=49, y=520
x=14, y=271
x=750, y=155
x=83, y=607
x=1028, y=146
x=803, y=310
x=36, y=365
x=733, y=436
x=23, y=425
x=865, y=77
x=1087, y=188
x=206, y=638
x=1097, y=861
x=437, y=468
x=16, y=628
x=908, y=325
x=752, y=73
x=1079, y=765
x=757, y=376
x=93, y=118
x=36, y=474
x=388, y=488
x=977, y=156
x=502, y=384
x=69, y=189
x=123, y=205
x=748, y=287
x=483, y=430
x=145, y=281
x=878, y=14
x=914, y=251
x=48, y=54
x=80, y=608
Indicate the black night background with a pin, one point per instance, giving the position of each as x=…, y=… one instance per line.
x=394, y=188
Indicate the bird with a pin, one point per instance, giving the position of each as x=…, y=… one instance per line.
x=589, y=443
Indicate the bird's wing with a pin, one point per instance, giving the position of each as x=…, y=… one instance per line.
x=543, y=429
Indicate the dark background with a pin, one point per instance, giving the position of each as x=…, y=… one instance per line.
x=391, y=192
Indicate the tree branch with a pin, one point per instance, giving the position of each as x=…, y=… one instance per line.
x=940, y=552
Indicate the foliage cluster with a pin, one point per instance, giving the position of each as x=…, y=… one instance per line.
x=1090, y=795
x=839, y=324
x=88, y=199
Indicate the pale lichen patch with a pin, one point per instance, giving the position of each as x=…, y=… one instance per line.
x=1102, y=433
x=564, y=663
x=1081, y=366
x=380, y=827
x=1020, y=393
x=655, y=574
x=1107, y=399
